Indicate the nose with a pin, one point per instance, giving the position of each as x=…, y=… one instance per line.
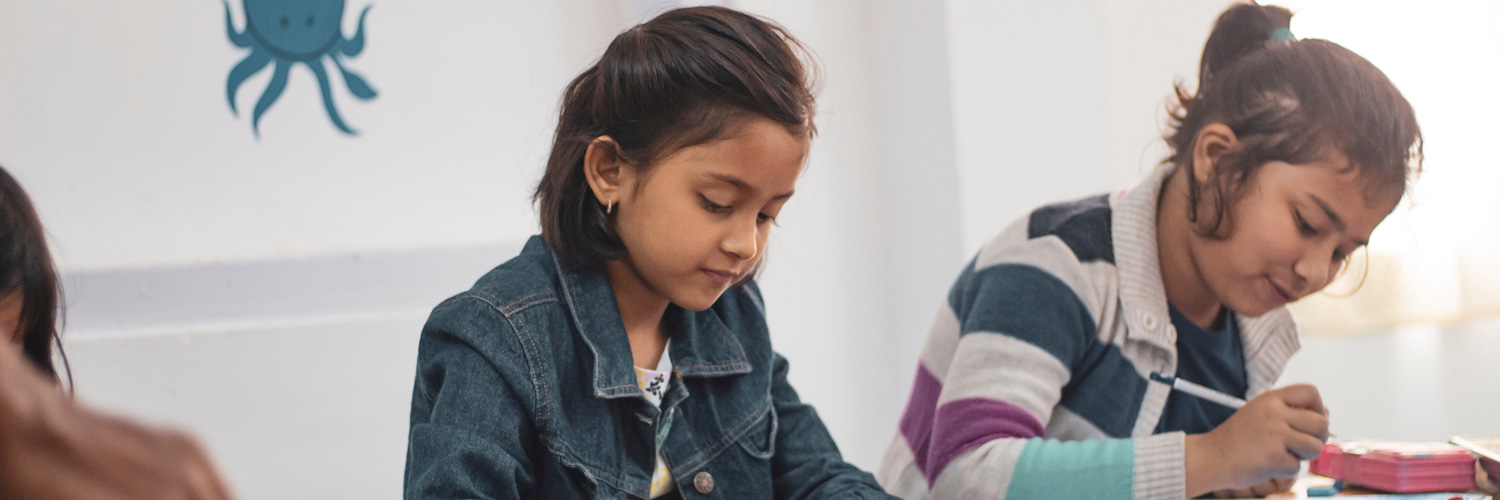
x=742, y=239
x=1317, y=268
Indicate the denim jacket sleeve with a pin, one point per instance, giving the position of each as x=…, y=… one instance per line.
x=468, y=418
x=807, y=463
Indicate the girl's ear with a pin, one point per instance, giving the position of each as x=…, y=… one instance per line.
x=603, y=167
x=1212, y=142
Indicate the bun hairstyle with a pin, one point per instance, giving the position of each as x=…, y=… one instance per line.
x=26, y=268
x=687, y=77
x=1296, y=101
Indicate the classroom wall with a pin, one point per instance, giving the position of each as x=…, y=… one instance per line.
x=267, y=292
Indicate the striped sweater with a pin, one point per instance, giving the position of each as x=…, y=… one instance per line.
x=1033, y=382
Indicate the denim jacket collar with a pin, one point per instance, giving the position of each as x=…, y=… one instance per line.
x=702, y=345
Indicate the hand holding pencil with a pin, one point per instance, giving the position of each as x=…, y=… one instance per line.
x=1266, y=439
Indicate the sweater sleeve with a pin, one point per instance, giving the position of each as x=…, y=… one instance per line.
x=1028, y=353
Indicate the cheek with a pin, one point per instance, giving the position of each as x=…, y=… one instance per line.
x=1264, y=242
x=666, y=230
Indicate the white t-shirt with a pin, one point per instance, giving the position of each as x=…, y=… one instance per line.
x=654, y=383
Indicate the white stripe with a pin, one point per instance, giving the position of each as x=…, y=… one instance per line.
x=898, y=472
x=942, y=341
x=1004, y=368
x=983, y=472
x=1068, y=426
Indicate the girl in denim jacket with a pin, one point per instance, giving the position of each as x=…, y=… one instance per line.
x=624, y=352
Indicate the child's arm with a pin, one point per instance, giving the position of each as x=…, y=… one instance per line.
x=1023, y=336
x=467, y=421
x=807, y=463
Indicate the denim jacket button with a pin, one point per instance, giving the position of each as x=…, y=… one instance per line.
x=703, y=482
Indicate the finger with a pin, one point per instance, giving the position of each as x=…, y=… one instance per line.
x=1232, y=493
x=1284, y=464
x=1263, y=489
x=1304, y=447
x=1303, y=396
x=1309, y=422
x=1284, y=483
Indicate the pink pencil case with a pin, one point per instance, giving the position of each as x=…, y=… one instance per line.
x=1397, y=467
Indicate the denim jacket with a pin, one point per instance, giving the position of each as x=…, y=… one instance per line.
x=525, y=388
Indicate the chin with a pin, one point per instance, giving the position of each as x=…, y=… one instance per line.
x=1251, y=309
x=697, y=301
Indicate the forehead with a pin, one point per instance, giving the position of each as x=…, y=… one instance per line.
x=761, y=153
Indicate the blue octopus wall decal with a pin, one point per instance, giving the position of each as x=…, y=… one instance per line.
x=290, y=32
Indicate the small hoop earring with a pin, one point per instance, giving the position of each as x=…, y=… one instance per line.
x=611, y=206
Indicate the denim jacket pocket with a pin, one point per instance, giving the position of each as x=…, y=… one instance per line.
x=760, y=440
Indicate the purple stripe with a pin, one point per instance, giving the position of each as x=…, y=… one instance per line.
x=964, y=424
x=916, y=421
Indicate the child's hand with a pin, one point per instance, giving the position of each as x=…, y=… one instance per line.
x=53, y=448
x=1275, y=485
x=1266, y=439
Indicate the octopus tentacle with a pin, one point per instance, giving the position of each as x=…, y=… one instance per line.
x=273, y=92
x=316, y=65
x=239, y=39
x=353, y=46
x=250, y=65
x=356, y=83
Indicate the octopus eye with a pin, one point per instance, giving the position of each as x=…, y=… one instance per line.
x=285, y=21
x=309, y=21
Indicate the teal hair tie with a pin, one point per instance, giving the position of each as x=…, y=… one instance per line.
x=1283, y=35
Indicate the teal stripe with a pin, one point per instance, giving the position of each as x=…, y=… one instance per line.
x=1051, y=469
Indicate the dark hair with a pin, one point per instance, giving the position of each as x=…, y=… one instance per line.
x=1296, y=101
x=26, y=267
x=687, y=77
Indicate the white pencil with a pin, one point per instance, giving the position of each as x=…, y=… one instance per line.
x=1205, y=393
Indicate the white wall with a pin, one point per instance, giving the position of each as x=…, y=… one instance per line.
x=1055, y=101
x=268, y=293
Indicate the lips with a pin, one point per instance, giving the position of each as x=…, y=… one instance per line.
x=1281, y=293
x=720, y=277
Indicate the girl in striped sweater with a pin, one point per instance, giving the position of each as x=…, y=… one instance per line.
x=1035, y=380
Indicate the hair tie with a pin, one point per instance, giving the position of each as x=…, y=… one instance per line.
x=1282, y=35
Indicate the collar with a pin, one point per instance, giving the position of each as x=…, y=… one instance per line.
x=699, y=342
x=1269, y=340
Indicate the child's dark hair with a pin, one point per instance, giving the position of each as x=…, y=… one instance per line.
x=1296, y=101
x=687, y=77
x=26, y=268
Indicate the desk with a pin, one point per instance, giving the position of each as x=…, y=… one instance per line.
x=1299, y=490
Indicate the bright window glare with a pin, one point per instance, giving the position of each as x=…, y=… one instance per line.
x=1432, y=259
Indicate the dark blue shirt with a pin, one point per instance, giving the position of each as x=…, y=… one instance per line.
x=1210, y=358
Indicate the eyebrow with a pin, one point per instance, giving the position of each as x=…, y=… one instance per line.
x=1338, y=222
x=744, y=186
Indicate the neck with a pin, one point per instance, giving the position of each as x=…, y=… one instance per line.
x=1180, y=276
x=641, y=311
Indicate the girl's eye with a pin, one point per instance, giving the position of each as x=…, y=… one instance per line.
x=766, y=218
x=1302, y=225
x=714, y=207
